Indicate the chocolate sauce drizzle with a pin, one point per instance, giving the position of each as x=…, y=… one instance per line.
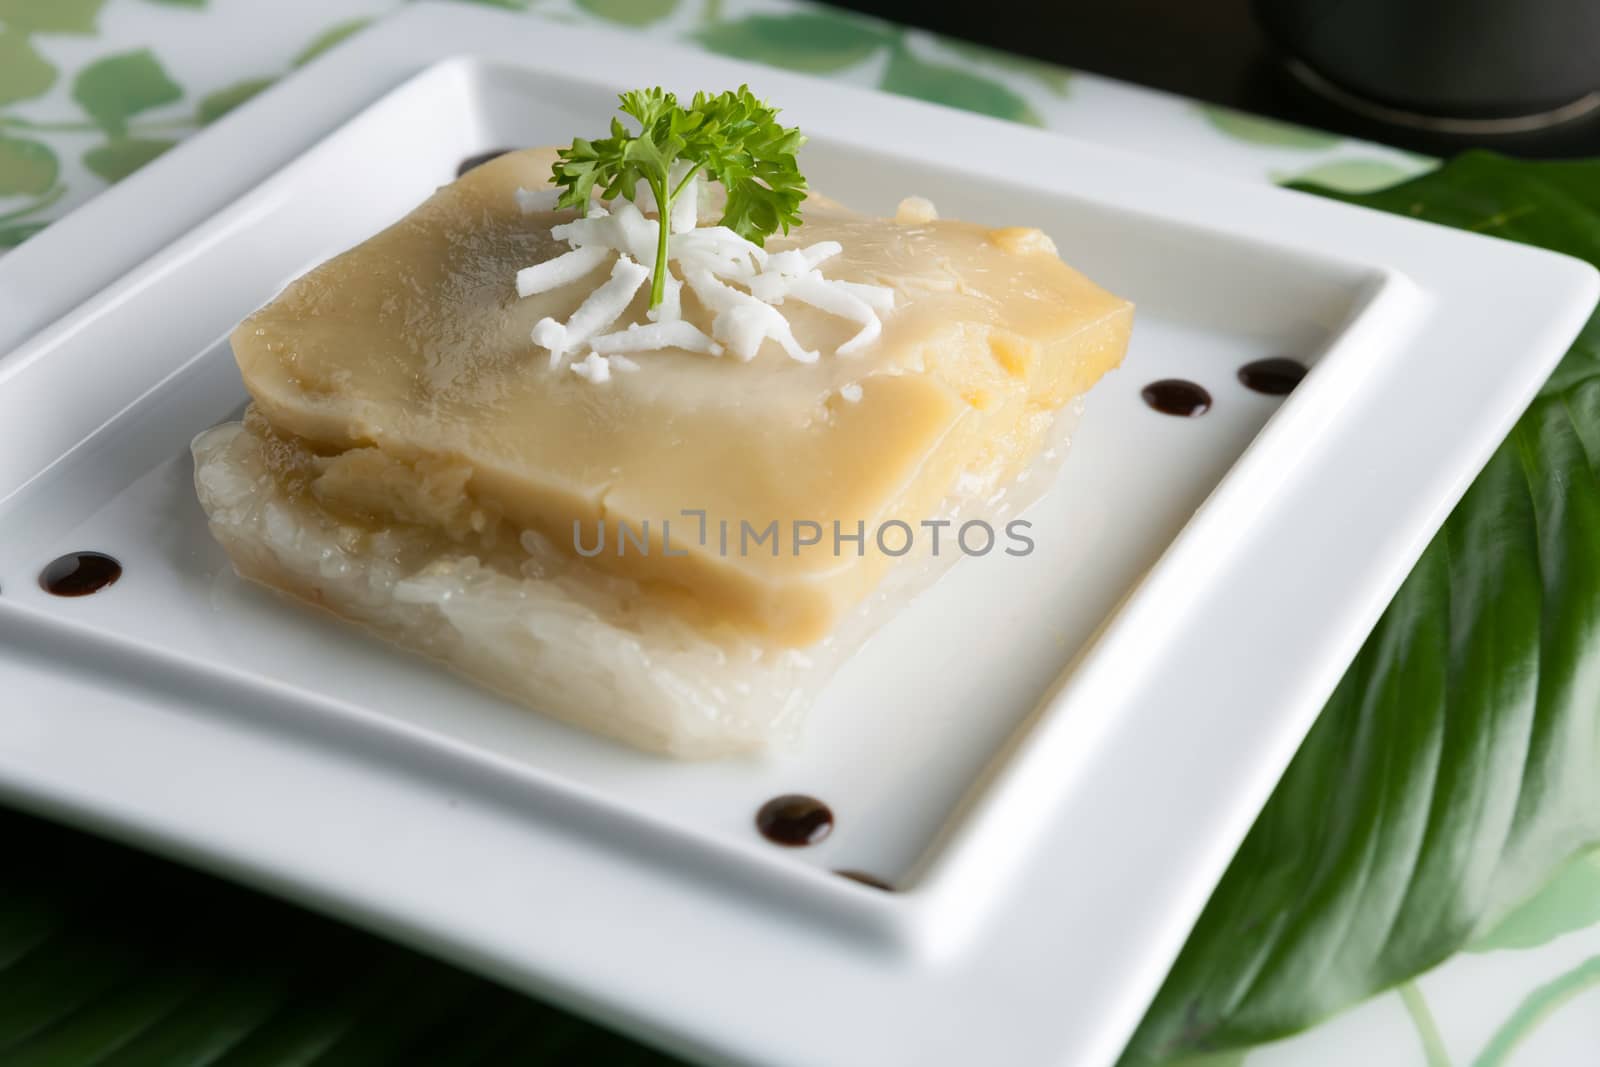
x=1275, y=377
x=794, y=820
x=79, y=574
x=1177, y=396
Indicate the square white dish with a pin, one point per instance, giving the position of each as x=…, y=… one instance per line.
x=1050, y=864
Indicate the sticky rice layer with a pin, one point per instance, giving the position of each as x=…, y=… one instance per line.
x=546, y=629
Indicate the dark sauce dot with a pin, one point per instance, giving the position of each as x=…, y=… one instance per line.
x=1175, y=396
x=1276, y=376
x=79, y=574
x=866, y=879
x=794, y=819
x=473, y=162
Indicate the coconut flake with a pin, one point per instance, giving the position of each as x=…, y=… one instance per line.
x=790, y=264
x=657, y=335
x=562, y=270
x=671, y=307
x=817, y=291
x=593, y=368
x=708, y=257
x=600, y=309
x=606, y=303
x=532, y=200
x=769, y=288
x=851, y=392
x=742, y=322
x=719, y=250
x=548, y=333
x=797, y=262
x=623, y=230
x=879, y=298
x=850, y=300
x=685, y=213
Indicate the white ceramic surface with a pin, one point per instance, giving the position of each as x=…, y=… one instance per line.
x=1051, y=866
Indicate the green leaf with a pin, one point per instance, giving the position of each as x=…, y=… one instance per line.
x=1434, y=1052
x=179, y=968
x=1570, y=902
x=630, y=12
x=909, y=76
x=731, y=138
x=1457, y=765
x=1362, y=175
x=816, y=42
x=115, y=88
x=1052, y=76
x=1535, y=1009
x=328, y=38
x=1230, y=1058
x=1263, y=131
x=119, y=158
x=27, y=168
x=215, y=105
x=24, y=73
x=51, y=16
x=15, y=233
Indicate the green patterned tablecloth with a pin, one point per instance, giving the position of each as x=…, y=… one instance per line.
x=92, y=89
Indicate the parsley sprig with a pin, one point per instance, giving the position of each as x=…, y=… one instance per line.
x=733, y=137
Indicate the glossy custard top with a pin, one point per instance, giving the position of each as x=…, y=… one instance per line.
x=407, y=361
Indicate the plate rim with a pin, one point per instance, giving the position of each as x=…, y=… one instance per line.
x=442, y=28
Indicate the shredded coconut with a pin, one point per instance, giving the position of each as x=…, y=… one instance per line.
x=599, y=310
x=595, y=368
x=532, y=200
x=879, y=298
x=719, y=250
x=708, y=257
x=636, y=338
x=685, y=213
x=671, y=308
x=562, y=270
x=851, y=392
x=623, y=230
x=815, y=290
x=742, y=322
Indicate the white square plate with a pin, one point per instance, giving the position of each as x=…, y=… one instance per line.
x=1052, y=757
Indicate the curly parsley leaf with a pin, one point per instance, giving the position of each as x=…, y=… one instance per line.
x=733, y=137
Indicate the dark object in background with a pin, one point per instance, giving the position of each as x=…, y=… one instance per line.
x=1215, y=50
x=1488, y=66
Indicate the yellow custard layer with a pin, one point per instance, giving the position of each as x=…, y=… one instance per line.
x=406, y=364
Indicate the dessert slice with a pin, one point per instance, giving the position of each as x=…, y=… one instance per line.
x=660, y=523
